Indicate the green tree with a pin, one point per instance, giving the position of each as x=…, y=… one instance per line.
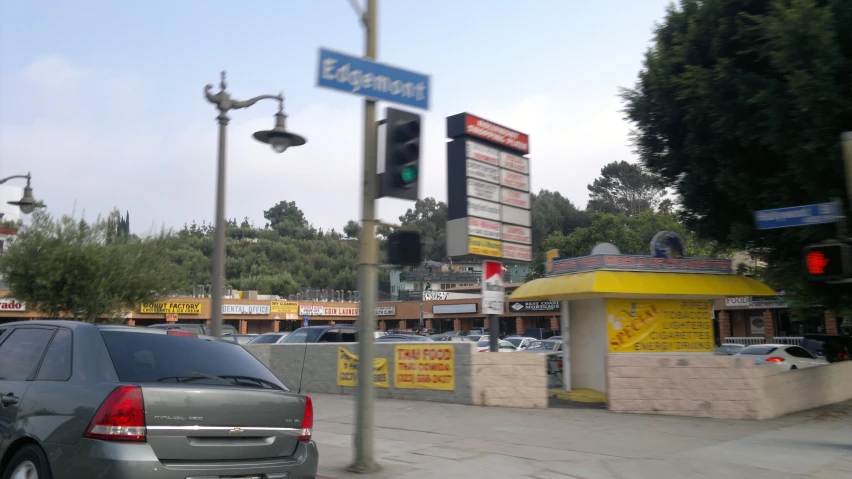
x=739, y=107
x=624, y=188
x=288, y=220
x=67, y=267
x=429, y=218
x=352, y=229
x=552, y=212
x=631, y=234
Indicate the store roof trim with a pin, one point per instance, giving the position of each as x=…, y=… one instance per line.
x=626, y=284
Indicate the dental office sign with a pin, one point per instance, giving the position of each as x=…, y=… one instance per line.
x=261, y=309
x=373, y=80
x=12, y=305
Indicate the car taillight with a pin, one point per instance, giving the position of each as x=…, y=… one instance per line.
x=175, y=332
x=842, y=357
x=774, y=360
x=559, y=364
x=121, y=417
x=307, y=429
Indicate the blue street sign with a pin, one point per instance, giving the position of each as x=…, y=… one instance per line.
x=305, y=322
x=377, y=81
x=797, y=216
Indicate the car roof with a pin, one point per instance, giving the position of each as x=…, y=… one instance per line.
x=65, y=323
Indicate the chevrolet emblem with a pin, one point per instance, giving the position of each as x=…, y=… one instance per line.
x=236, y=431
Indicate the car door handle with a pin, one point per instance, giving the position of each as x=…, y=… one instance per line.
x=9, y=400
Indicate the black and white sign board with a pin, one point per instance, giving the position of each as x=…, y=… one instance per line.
x=488, y=185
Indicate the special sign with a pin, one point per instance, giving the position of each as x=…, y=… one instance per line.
x=659, y=326
x=347, y=369
x=424, y=367
x=169, y=307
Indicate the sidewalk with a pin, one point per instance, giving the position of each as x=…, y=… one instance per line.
x=422, y=439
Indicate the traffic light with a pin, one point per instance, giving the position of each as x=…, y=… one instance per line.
x=404, y=248
x=828, y=261
x=402, y=156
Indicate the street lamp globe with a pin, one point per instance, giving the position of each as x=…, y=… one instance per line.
x=279, y=138
x=27, y=203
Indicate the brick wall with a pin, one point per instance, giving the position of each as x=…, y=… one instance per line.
x=509, y=380
x=724, y=387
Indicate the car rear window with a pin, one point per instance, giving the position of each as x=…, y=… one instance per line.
x=266, y=339
x=759, y=350
x=304, y=335
x=147, y=357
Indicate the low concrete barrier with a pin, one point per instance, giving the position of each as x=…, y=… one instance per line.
x=724, y=387
x=488, y=379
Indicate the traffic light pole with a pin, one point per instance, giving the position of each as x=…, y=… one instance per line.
x=367, y=271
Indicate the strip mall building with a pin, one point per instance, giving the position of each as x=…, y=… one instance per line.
x=261, y=316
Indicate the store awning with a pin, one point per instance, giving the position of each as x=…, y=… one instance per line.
x=630, y=284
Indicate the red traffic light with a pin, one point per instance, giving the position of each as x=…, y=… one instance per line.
x=828, y=261
x=816, y=262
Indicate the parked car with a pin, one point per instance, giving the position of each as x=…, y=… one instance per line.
x=199, y=329
x=729, y=349
x=270, y=338
x=400, y=338
x=544, y=346
x=788, y=357
x=831, y=347
x=484, y=346
x=520, y=342
x=332, y=333
x=540, y=333
x=239, y=338
x=82, y=401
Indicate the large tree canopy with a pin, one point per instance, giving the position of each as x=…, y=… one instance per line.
x=624, y=188
x=553, y=212
x=631, y=234
x=739, y=107
x=70, y=267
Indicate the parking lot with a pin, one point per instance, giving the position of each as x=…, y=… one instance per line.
x=422, y=439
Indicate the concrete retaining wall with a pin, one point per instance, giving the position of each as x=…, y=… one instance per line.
x=490, y=379
x=725, y=387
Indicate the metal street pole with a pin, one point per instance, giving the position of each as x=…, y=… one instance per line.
x=219, y=233
x=367, y=271
x=846, y=143
x=278, y=137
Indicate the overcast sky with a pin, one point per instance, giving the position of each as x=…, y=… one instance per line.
x=102, y=100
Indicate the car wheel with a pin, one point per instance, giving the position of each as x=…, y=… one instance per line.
x=28, y=463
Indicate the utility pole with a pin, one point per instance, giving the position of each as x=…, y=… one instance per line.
x=368, y=269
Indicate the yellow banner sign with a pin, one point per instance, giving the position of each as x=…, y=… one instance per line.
x=167, y=307
x=659, y=326
x=291, y=307
x=424, y=367
x=483, y=247
x=347, y=369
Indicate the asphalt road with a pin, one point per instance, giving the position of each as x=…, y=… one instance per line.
x=421, y=439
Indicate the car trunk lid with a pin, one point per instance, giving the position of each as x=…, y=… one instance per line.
x=221, y=423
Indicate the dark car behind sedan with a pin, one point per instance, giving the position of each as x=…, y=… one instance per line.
x=105, y=402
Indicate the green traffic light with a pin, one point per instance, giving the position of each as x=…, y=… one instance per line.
x=409, y=174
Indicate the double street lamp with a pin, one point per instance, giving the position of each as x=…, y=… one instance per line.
x=27, y=203
x=278, y=138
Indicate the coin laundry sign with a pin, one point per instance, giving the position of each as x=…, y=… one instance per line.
x=9, y=305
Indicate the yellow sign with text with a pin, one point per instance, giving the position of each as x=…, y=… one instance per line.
x=424, y=367
x=483, y=247
x=347, y=370
x=168, y=307
x=291, y=307
x=659, y=326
